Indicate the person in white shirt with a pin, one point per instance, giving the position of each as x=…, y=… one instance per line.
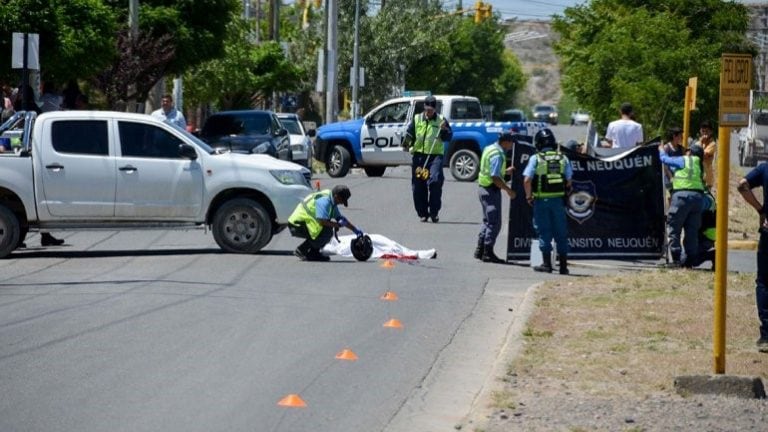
x=624, y=132
x=169, y=114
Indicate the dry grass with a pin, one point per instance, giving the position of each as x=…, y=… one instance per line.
x=633, y=333
x=742, y=220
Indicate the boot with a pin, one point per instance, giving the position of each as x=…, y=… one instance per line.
x=489, y=256
x=563, y=264
x=546, y=266
x=479, y=250
x=46, y=239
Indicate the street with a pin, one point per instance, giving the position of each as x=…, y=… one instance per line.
x=159, y=330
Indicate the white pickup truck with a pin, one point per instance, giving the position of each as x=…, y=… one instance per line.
x=79, y=170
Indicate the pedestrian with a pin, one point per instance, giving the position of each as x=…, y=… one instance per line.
x=547, y=180
x=169, y=114
x=708, y=143
x=707, y=232
x=50, y=100
x=624, y=132
x=493, y=168
x=425, y=136
x=316, y=218
x=673, y=147
x=686, y=205
x=758, y=177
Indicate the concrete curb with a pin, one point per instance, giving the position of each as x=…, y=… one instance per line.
x=481, y=407
x=742, y=244
x=739, y=386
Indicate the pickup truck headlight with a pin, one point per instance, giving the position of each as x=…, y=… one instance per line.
x=289, y=177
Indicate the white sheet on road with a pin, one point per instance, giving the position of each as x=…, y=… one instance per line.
x=382, y=247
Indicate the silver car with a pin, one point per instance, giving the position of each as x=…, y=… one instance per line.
x=301, y=140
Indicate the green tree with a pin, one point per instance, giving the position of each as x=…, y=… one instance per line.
x=245, y=72
x=643, y=52
x=74, y=32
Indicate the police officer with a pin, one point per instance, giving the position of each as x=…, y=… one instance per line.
x=424, y=137
x=493, y=167
x=316, y=218
x=758, y=177
x=686, y=204
x=547, y=178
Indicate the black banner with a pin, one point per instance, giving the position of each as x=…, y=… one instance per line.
x=615, y=209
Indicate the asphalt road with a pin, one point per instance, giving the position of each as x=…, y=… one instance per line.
x=156, y=330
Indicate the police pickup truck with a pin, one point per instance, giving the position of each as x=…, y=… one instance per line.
x=80, y=170
x=373, y=142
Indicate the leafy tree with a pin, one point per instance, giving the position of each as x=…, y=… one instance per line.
x=243, y=73
x=613, y=51
x=75, y=36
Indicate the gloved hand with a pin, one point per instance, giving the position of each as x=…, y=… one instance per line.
x=342, y=221
x=358, y=232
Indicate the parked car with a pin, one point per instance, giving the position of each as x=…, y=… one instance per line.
x=513, y=115
x=579, y=117
x=301, y=139
x=247, y=131
x=545, y=113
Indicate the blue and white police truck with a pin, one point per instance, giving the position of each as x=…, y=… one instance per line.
x=373, y=142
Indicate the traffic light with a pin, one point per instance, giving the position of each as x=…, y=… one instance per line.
x=482, y=11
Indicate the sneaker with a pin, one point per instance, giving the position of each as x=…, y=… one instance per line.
x=315, y=255
x=762, y=345
x=435, y=219
x=424, y=219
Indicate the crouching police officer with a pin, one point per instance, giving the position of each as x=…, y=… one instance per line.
x=547, y=178
x=316, y=218
x=493, y=167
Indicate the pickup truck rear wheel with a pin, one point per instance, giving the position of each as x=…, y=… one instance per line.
x=374, y=171
x=338, y=162
x=465, y=165
x=9, y=231
x=242, y=226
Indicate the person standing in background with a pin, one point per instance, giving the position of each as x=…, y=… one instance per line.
x=708, y=143
x=625, y=132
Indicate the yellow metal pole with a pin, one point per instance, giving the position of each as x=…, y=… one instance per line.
x=687, y=116
x=721, y=248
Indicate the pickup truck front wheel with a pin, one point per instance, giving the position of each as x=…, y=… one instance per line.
x=242, y=226
x=465, y=165
x=9, y=231
x=338, y=162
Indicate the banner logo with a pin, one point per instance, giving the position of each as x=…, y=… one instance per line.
x=581, y=201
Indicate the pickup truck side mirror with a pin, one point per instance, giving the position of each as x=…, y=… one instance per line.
x=369, y=120
x=282, y=132
x=187, y=151
x=311, y=133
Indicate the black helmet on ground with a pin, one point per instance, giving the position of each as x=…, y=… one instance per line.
x=544, y=139
x=362, y=247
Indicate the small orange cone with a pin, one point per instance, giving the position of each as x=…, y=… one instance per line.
x=317, y=185
x=346, y=355
x=292, y=401
x=388, y=264
x=393, y=323
x=389, y=296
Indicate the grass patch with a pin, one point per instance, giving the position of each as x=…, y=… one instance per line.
x=599, y=336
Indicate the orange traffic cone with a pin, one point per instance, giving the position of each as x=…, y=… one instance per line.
x=389, y=296
x=346, y=355
x=393, y=323
x=292, y=401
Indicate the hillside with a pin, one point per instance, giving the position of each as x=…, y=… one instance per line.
x=538, y=60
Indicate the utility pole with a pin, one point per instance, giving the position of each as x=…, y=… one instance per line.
x=356, y=63
x=331, y=87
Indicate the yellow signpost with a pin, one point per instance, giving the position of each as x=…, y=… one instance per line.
x=690, y=105
x=735, y=83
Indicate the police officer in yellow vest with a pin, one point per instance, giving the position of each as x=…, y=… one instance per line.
x=546, y=180
x=424, y=137
x=493, y=167
x=316, y=218
x=686, y=205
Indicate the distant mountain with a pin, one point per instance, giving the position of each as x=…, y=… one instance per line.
x=532, y=42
